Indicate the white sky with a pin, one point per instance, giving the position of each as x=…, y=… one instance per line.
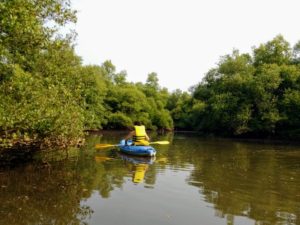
x=180, y=40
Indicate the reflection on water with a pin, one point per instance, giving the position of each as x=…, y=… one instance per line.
x=139, y=172
x=191, y=181
x=138, y=166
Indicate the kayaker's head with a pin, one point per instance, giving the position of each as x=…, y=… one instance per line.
x=137, y=123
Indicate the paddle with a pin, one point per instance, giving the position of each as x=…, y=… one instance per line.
x=105, y=145
x=111, y=145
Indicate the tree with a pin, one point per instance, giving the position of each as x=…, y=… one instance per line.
x=277, y=51
x=247, y=95
x=181, y=108
x=152, y=81
x=24, y=30
x=296, y=53
x=93, y=92
x=39, y=91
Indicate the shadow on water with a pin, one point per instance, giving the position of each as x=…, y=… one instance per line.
x=14, y=157
x=258, y=183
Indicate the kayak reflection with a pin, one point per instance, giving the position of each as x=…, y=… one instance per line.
x=138, y=166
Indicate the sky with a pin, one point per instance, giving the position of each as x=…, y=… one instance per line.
x=180, y=40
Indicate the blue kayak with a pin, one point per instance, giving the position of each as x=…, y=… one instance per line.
x=136, y=150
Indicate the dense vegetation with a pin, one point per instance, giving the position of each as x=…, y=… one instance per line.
x=49, y=97
x=256, y=95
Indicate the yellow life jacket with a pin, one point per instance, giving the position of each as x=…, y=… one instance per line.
x=140, y=136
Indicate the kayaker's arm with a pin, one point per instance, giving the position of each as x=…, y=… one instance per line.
x=130, y=135
x=147, y=137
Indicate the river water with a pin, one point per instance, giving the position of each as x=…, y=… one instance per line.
x=192, y=181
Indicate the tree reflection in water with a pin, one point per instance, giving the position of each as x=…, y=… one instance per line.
x=42, y=194
x=246, y=179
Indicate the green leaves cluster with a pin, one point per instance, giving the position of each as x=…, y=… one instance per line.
x=255, y=95
x=39, y=88
x=129, y=102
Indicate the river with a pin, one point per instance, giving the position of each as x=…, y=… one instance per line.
x=193, y=180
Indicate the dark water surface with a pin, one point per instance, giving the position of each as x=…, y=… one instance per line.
x=192, y=181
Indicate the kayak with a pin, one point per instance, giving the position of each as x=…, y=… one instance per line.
x=136, y=150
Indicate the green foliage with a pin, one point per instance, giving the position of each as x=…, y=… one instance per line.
x=48, y=96
x=296, y=53
x=276, y=51
x=24, y=32
x=119, y=120
x=251, y=95
x=291, y=118
x=139, y=102
x=162, y=119
x=235, y=63
x=30, y=107
x=93, y=92
x=157, y=99
x=182, y=109
x=152, y=81
x=39, y=90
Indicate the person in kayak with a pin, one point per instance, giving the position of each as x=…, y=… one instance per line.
x=138, y=135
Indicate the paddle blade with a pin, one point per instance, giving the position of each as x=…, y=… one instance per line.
x=104, y=145
x=160, y=142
